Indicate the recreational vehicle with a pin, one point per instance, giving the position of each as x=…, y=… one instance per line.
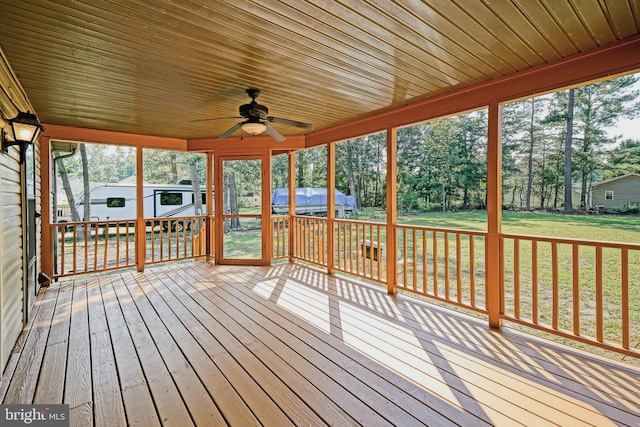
x=118, y=201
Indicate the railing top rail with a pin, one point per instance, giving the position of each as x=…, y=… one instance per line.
x=319, y=218
x=443, y=230
x=357, y=221
x=572, y=241
x=103, y=221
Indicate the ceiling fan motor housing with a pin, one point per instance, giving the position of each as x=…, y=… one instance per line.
x=254, y=110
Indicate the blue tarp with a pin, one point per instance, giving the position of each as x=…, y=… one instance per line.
x=310, y=196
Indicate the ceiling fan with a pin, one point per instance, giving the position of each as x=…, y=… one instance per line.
x=258, y=120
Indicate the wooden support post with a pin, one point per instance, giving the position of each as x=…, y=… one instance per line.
x=494, y=215
x=392, y=212
x=218, y=184
x=209, y=197
x=267, y=223
x=331, y=205
x=46, y=242
x=292, y=201
x=141, y=228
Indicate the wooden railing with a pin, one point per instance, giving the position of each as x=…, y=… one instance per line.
x=88, y=247
x=584, y=290
x=280, y=237
x=443, y=264
x=359, y=249
x=175, y=238
x=310, y=239
x=94, y=246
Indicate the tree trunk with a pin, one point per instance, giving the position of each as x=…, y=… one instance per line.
x=568, y=202
x=85, y=181
x=197, y=196
x=75, y=217
x=530, y=160
x=86, y=189
x=173, y=163
x=353, y=187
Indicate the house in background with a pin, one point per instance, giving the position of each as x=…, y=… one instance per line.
x=616, y=192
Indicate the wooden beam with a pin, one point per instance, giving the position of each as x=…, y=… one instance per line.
x=68, y=133
x=611, y=60
x=246, y=145
x=392, y=212
x=494, y=215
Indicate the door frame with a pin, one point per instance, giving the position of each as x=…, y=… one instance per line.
x=265, y=215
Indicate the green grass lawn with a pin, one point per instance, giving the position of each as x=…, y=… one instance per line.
x=610, y=228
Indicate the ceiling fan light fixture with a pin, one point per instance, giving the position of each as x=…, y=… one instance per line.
x=254, y=128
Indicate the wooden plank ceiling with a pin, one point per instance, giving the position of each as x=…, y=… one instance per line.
x=152, y=66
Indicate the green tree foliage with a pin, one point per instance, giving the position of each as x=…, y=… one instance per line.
x=311, y=167
x=361, y=168
x=623, y=159
x=279, y=171
x=443, y=163
x=535, y=130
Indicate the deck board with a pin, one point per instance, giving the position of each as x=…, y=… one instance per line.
x=198, y=344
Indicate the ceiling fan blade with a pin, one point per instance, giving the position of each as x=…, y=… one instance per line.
x=230, y=131
x=287, y=122
x=273, y=133
x=214, y=118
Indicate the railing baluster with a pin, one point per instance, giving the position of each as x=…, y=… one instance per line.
x=575, y=258
x=625, y=298
x=414, y=248
x=555, y=285
x=118, y=244
x=516, y=278
x=599, y=306
x=405, y=246
x=424, y=261
x=379, y=253
x=458, y=269
x=446, y=265
x=96, y=230
x=86, y=247
x=534, y=282
x=62, y=248
x=74, y=267
x=435, y=263
x=472, y=271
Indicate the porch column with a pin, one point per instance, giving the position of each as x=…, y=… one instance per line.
x=494, y=215
x=392, y=212
x=141, y=228
x=209, y=197
x=46, y=242
x=331, y=205
x=292, y=202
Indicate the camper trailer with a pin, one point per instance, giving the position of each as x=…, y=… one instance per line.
x=118, y=201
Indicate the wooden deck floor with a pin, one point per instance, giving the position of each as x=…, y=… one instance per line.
x=200, y=344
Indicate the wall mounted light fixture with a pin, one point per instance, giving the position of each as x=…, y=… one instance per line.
x=24, y=127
